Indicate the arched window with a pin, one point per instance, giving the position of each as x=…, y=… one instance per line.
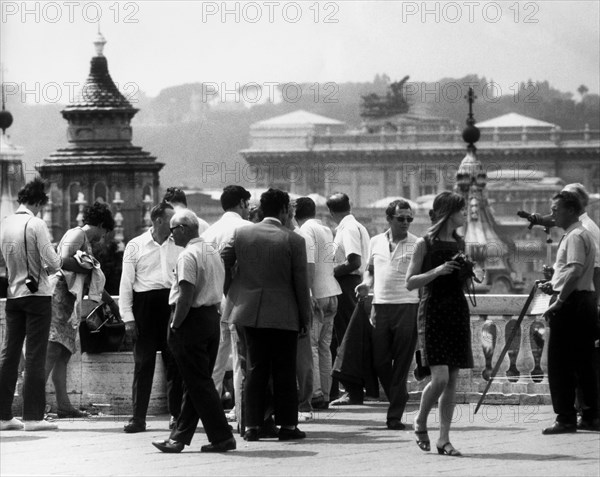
x=100, y=192
x=74, y=191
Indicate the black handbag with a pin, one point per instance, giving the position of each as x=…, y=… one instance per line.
x=101, y=331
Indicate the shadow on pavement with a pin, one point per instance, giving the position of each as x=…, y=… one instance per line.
x=520, y=456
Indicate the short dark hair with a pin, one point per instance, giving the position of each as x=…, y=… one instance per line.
x=396, y=204
x=175, y=194
x=305, y=208
x=338, y=202
x=158, y=211
x=274, y=201
x=99, y=215
x=33, y=193
x=570, y=200
x=231, y=196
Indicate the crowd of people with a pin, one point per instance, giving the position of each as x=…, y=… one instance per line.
x=275, y=294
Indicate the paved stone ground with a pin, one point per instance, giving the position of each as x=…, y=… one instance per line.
x=499, y=440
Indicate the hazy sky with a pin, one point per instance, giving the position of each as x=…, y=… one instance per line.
x=157, y=44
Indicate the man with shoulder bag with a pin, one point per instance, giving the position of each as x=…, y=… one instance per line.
x=30, y=259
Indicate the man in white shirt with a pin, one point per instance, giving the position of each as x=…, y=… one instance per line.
x=394, y=311
x=579, y=190
x=572, y=318
x=194, y=338
x=148, y=266
x=235, y=201
x=28, y=253
x=352, y=248
x=324, y=289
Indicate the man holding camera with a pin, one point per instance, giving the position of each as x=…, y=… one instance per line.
x=30, y=259
x=572, y=318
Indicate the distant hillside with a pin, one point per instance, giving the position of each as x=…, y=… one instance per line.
x=182, y=130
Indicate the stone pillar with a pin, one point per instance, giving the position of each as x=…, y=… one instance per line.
x=414, y=186
x=355, y=195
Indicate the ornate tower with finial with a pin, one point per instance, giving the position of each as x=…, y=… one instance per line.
x=100, y=163
x=484, y=242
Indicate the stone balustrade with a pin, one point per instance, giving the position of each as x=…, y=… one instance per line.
x=447, y=139
x=104, y=380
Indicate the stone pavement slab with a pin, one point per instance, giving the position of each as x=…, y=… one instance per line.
x=353, y=440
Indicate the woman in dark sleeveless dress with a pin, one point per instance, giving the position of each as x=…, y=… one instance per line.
x=443, y=319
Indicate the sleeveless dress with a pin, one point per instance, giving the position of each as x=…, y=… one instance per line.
x=443, y=319
x=63, y=326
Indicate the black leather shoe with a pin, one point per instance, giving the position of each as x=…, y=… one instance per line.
x=268, y=430
x=291, y=434
x=134, y=427
x=223, y=446
x=588, y=424
x=560, y=428
x=251, y=435
x=169, y=446
x=395, y=425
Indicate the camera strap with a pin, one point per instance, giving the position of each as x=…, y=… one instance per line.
x=25, y=242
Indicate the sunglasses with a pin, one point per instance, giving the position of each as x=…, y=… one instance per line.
x=176, y=227
x=403, y=219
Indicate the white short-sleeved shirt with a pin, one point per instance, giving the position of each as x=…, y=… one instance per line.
x=390, y=268
x=199, y=265
x=310, y=245
x=351, y=237
x=323, y=252
x=591, y=227
x=575, y=247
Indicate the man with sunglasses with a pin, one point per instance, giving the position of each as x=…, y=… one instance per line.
x=394, y=311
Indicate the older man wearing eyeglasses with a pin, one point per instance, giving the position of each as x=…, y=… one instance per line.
x=394, y=311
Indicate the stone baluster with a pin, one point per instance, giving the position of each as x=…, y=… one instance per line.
x=477, y=322
x=147, y=206
x=500, y=324
x=496, y=136
x=47, y=216
x=525, y=362
x=119, y=238
x=586, y=133
x=524, y=135
x=81, y=203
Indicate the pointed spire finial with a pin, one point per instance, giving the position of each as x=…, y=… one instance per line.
x=99, y=43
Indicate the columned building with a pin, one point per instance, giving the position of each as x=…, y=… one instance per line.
x=525, y=161
x=100, y=163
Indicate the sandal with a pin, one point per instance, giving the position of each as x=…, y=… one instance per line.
x=422, y=439
x=448, y=449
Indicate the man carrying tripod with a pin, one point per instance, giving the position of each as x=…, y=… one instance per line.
x=572, y=318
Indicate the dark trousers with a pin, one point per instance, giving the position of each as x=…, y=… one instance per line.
x=394, y=341
x=194, y=346
x=271, y=352
x=346, y=304
x=570, y=357
x=152, y=311
x=27, y=318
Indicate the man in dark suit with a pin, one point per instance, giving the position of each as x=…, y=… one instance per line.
x=268, y=296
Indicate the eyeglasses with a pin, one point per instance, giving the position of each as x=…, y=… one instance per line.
x=176, y=227
x=403, y=218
